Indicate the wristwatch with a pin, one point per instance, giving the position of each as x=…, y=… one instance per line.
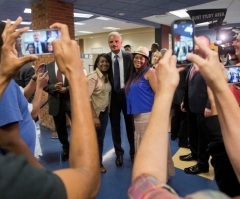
x=34, y=78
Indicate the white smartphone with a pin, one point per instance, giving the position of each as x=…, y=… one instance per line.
x=233, y=74
x=39, y=42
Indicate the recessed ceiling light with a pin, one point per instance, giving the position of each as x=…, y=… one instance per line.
x=121, y=14
x=111, y=28
x=85, y=32
x=103, y=18
x=79, y=23
x=180, y=13
x=23, y=22
x=27, y=10
x=82, y=15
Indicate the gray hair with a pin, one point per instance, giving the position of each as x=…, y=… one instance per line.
x=115, y=33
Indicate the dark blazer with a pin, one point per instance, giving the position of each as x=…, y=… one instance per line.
x=127, y=61
x=54, y=96
x=179, y=93
x=196, y=97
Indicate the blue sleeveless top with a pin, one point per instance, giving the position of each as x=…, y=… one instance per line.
x=140, y=96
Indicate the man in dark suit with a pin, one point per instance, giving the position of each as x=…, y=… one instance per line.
x=198, y=107
x=121, y=70
x=154, y=48
x=40, y=47
x=59, y=104
x=179, y=127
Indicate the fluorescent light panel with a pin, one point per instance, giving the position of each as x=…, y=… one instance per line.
x=23, y=22
x=27, y=10
x=202, y=24
x=103, y=18
x=82, y=15
x=111, y=28
x=79, y=23
x=180, y=13
x=85, y=32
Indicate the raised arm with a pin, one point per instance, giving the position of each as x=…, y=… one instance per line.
x=227, y=106
x=82, y=180
x=151, y=158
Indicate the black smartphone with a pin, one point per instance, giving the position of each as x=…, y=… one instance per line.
x=39, y=42
x=44, y=68
x=233, y=74
x=183, y=39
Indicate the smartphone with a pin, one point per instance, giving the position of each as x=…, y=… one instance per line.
x=39, y=42
x=233, y=74
x=44, y=68
x=182, y=40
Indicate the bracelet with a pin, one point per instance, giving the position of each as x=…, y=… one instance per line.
x=34, y=78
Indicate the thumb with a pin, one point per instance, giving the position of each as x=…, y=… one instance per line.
x=26, y=59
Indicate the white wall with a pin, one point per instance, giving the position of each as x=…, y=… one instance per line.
x=135, y=40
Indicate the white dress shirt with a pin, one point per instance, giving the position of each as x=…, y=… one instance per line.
x=120, y=61
x=39, y=45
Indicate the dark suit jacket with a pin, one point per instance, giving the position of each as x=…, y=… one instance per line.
x=196, y=97
x=127, y=61
x=54, y=96
x=179, y=93
x=24, y=76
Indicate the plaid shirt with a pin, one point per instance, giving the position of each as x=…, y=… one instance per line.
x=148, y=187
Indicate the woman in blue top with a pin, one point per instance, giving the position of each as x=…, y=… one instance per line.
x=140, y=91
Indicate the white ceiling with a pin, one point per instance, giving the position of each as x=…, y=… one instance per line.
x=96, y=25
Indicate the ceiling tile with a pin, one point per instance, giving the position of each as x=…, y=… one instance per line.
x=114, y=5
x=155, y=11
x=153, y=3
x=174, y=6
x=102, y=10
x=136, y=8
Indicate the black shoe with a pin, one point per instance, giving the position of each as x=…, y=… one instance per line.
x=196, y=170
x=186, y=145
x=188, y=157
x=119, y=161
x=65, y=156
x=173, y=137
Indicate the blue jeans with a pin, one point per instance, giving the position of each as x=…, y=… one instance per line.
x=103, y=117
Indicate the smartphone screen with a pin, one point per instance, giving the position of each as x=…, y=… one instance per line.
x=182, y=39
x=233, y=74
x=39, y=42
x=44, y=68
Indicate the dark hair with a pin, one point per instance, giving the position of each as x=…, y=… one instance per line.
x=136, y=77
x=156, y=45
x=127, y=46
x=2, y=26
x=109, y=72
x=30, y=44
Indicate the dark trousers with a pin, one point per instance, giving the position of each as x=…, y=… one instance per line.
x=224, y=174
x=118, y=104
x=179, y=127
x=198, y=139
x=60, y=124
x=103, y=117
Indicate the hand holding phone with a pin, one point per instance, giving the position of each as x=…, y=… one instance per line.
x=182, y=40
x=39, y=42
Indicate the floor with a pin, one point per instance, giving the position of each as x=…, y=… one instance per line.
x=115, y=182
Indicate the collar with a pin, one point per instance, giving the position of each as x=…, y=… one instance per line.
x=99, y=73
x=119, y=54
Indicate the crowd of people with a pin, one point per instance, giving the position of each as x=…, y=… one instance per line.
x=142, y=88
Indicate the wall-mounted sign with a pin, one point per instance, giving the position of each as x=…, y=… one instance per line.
x=86, y=56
